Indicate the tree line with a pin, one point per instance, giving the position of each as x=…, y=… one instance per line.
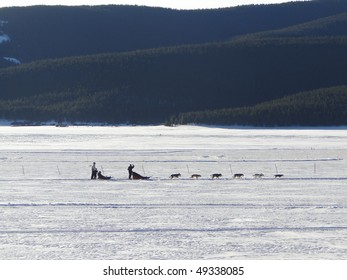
x=151, y=85
x=322, y=107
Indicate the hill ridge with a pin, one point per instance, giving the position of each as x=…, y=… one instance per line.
x=151, y=84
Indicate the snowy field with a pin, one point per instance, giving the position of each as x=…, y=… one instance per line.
x=50, y=209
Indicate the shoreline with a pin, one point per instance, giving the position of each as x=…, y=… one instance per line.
x=24, y=123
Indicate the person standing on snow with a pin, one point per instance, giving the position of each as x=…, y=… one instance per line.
x=130, y=170
x=94, y=171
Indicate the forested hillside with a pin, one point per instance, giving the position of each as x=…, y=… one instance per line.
x=236, y=67
x=151, y=85
x=321, y=107
x=42, y=32
x=327, y=26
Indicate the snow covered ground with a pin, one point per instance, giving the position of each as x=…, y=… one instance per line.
x=50, y=209
x=12, y=59
x=4, y=38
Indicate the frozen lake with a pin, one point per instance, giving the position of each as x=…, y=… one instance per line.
x=50, y=209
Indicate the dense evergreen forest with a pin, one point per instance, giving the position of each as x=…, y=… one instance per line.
x=326, y=106
x=42, y=32
x=281, y=64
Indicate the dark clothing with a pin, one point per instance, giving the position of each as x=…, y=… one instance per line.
x=94, y=172
x=100, y=176
x=130, y=170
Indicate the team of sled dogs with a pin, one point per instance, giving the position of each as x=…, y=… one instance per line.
x=218, y=175
x=136, y=176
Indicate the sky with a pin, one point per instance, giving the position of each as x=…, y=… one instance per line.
x=175, y=4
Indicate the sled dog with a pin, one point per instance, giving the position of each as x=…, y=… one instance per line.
x=238, y=175
x=177, y=175
x=216, y=175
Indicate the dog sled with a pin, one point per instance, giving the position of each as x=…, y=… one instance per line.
x=137, y=176
x=102, y=177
